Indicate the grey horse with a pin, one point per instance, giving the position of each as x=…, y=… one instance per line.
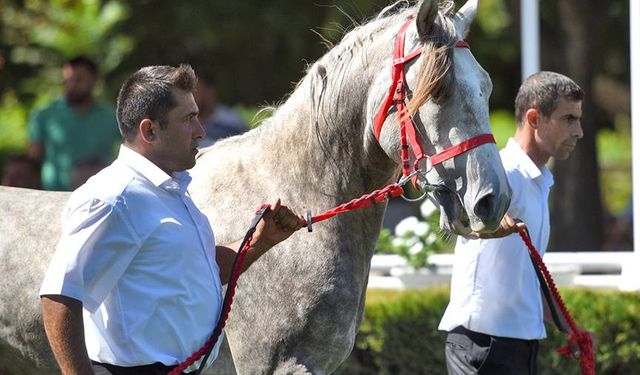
x=298, y=309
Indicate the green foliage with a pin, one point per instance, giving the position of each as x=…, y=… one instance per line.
x=493, y=17
x=399, y=333
x=13, y=119
x=42, y=34
x=503, y=126
x=614, y=159
x=82, y=27
x=37, y=36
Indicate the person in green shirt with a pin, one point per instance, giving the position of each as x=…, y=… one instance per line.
x=75, y=127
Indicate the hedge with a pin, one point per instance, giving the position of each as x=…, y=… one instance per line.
x=399, y=333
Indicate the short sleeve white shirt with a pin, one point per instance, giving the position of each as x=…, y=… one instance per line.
x=494, y=288
x=140, y=257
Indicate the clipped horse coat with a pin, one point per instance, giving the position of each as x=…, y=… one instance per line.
x=297, y=310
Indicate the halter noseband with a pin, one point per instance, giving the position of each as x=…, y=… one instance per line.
x=408, y=134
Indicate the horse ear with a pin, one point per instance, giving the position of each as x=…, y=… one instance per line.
x=463, y=18
x=426, y=16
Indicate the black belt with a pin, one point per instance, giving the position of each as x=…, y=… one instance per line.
x=483, y=339
x=152, y=369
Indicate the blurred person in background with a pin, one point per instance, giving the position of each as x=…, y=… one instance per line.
x=73, y=128
x=219, y=121
x=21, y=171
x=84, y=169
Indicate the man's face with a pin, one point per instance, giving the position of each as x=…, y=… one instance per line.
x=176, y=146
x=78, y=83
x=559, y=133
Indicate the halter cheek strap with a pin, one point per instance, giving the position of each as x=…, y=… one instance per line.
x=408, y=133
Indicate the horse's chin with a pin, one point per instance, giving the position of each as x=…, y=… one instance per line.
x=453, y=216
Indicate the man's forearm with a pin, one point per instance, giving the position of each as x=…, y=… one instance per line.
x=225, y=255
x=63, y=324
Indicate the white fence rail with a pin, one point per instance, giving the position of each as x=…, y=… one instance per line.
x=599, y=269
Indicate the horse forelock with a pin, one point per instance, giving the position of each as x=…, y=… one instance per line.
x=435, y=73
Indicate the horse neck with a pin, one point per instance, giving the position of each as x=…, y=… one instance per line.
x=324, y=123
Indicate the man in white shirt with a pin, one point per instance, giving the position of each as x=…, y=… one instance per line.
x=495, y=316
x=134, y=286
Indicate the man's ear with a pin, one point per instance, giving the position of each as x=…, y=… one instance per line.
x=147, y=130
x=532, y=116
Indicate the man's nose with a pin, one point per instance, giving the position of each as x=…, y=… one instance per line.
x=578, y=132
x=199, y=131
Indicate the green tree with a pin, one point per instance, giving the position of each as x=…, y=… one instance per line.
x=36, y=37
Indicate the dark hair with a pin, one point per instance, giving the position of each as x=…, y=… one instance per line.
x=542, y=91
x=147, y=93
x=83, y=61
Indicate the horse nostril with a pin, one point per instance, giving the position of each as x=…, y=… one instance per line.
x=485, y=207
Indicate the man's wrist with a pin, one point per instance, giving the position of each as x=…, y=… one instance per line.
x=259, y=247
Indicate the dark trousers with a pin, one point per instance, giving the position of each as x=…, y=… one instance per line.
x=152, y=369
x=469, y=352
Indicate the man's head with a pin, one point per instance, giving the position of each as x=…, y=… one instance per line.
x=80, y=75
x=158, y=116
x=549, y=109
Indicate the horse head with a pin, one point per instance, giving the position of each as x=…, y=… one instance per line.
x=446, y=116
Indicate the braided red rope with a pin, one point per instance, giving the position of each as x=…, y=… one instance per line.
x=581, y=338
x=235, y=274
x=375, y=197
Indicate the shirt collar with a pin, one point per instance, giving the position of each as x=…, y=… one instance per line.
x=527, y=165
x=178, y=182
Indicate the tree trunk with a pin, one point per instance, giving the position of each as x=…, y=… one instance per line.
x=576, y=212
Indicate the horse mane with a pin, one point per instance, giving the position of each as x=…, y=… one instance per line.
x=434, y=66
x=329, y=91
x=330, y=82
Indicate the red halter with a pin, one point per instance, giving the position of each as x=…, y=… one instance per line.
x=408, y=134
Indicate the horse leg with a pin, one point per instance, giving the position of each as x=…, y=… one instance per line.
x=12, y=362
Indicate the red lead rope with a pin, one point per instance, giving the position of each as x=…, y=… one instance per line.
x=377, y=196
x=580, y=338
x=205, y=350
